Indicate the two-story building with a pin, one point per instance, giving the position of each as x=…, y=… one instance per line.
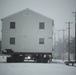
x=27, y=32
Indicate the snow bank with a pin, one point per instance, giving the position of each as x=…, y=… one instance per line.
x=58, y=61
x=3, y=58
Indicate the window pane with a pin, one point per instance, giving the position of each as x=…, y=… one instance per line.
x=41, y=25
x=12, y=25
x=12, y=40
x=41, y=40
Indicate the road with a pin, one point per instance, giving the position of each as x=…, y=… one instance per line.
x=36, y=69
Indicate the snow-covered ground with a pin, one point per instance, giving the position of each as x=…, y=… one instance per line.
x=36, y=69
x=58, y=61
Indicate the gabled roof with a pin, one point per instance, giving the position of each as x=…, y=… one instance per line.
x=27, y=9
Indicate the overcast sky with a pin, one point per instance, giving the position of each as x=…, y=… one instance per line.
x=59, y=10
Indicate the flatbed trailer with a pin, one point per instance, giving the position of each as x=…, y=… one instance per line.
x=36, y=56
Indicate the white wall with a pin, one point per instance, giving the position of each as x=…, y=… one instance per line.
x=27, y=32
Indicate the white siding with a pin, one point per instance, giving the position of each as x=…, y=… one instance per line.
x=27, y=32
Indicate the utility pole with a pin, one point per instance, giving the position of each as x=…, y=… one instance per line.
x=63, y=34
x=68, y=40
x=63, y=39
x=54, y=44
x=54, y=38
x=75, y=34
x=54, y=41
x=58, y=44
x=58, y=34
x=63, y=42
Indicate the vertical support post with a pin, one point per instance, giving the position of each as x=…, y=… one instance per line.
x=69, y=40
x=75, y=34
x=58, y=34
x=54, y=44
x=63, y=44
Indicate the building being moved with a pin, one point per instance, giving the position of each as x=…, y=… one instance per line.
x=27, y=33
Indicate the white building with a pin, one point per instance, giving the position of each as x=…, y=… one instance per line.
x=27, y=31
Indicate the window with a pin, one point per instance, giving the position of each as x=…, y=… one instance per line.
x=12, y=25
x=41, y=25
x=41, y=40
x=12, y=40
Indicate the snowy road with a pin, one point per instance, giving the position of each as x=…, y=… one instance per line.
x=36, y=69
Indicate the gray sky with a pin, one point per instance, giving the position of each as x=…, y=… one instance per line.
x=59, y=10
